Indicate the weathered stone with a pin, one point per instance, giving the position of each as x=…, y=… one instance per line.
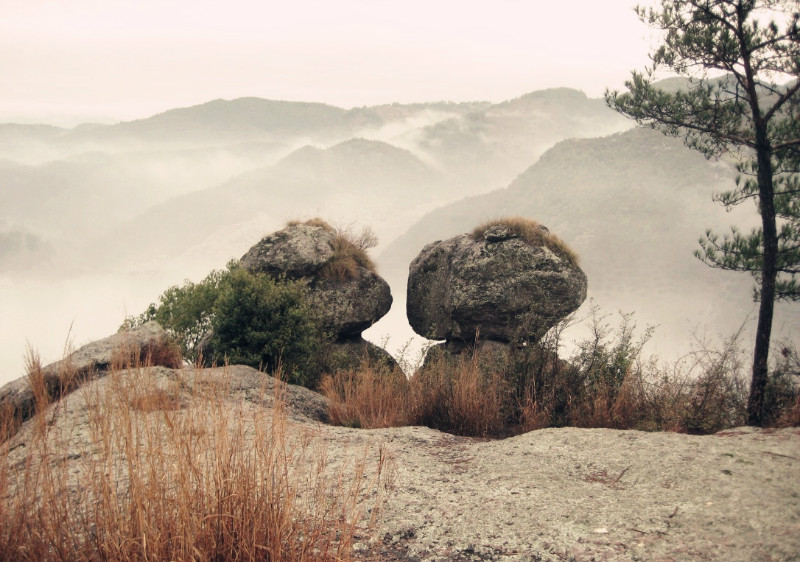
x=499, y=287
x=353, y=353
x=348, y=304
x=492, y=356
x=297, y=251
x=146, y=343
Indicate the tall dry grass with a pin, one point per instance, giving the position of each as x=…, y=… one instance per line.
x=532, y=233
x=608, y=382
x=149, y=465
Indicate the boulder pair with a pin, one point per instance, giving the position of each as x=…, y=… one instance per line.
x=508, y=281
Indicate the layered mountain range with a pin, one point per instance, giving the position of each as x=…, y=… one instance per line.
x=143, y=204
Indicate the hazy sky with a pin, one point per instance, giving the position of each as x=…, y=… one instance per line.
x=67, y=61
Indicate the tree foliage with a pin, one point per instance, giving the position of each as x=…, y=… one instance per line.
x=740, y=251
x=267, y=324
x=243, y=318
x=748, y=108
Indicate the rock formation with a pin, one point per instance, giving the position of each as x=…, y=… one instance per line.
x=146, y=343
x=342, y=283
x=508, y=281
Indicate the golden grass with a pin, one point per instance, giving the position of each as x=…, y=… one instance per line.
x=606, y=384
x=316, y=221
x=369, y=397
x=147, y=465
x=532, y=233
x=349, y=250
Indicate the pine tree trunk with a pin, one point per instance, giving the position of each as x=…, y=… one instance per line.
x=756, y=414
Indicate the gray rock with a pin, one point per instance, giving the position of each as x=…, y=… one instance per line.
x=349, y=307
x=348, y=304
x=353, y=353
x=297, y=251
x=492, y=356
x=146, y=343
x=500, y=287
x=257, y=387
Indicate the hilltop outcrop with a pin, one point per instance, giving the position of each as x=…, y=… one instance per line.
x=343, y=286
x=503, y=282
x=554, y=494
x=143, y=344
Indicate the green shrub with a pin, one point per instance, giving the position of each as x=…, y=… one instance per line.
x=243, y=318
x=185, y=312
x=267, y=324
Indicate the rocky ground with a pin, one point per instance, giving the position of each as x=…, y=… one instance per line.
x=589, y=494
x=552, y=494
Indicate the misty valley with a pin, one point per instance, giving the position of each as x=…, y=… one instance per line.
x=98, y=220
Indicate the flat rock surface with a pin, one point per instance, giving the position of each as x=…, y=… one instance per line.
x=590, y=494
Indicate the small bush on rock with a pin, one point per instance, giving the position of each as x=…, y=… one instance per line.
x=243, y=318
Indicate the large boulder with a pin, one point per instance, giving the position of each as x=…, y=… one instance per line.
x=500, y=283
x=344, y=289
x=343, y=285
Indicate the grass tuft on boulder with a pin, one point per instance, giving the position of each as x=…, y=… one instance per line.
x=531, y=232
x=349, y=250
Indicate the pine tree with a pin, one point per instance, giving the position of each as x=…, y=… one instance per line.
x=749, y=112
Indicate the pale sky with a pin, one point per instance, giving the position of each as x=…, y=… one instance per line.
x=68, y=61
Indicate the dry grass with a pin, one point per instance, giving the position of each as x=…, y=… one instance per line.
x=532, y=233
x=607, y=383
x=147, y=466
x=349, y=250
x=369, y=397
x=316, y=221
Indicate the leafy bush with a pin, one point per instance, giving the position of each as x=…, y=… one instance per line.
x=244, y=318
x=185, y=311
x=267, y=324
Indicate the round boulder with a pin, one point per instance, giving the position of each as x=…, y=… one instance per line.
x=343, y=285
x=506, y=281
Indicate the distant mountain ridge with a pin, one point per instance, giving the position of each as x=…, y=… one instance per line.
x=125, y=209
x=382, y=165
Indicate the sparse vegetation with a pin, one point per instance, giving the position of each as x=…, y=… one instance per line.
x=154, y=467
x=349, y=250
x=607, y=383
x=532, y=233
